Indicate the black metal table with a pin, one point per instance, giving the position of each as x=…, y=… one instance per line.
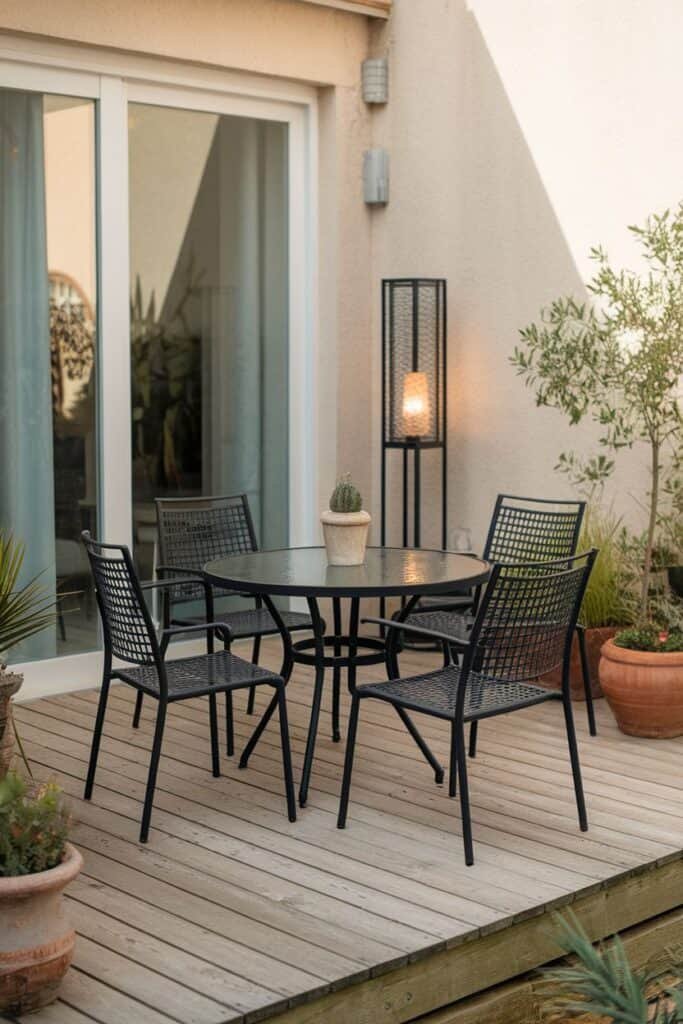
x=303, y=572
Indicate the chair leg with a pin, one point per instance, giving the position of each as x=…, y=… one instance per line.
x=336, y=701
x=286, y=752
x=576, y=767
x=97, y=736
x=153, y=768
x=453, y=774
x=312, y=734
x=464, y=796
x=336, y=671
x=257, y=733
x=348, y=761
x=255, y=654
x=585, y=672
x=138, y=709
x=229, y=724
x=426, y=752
x=474, y=728
x=213, y=726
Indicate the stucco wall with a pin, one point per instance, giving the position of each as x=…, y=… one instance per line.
x=520, y=133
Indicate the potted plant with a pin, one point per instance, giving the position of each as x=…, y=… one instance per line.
x=36, y=863
x=345, y=525
x=619, y=361
x=24, y=611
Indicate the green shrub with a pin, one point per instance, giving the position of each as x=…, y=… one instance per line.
x=650, y=639
x=34, y=826
x=606, y=601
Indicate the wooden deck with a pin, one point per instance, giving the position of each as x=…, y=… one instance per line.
x=232, y=914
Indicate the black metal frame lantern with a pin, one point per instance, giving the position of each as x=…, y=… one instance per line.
x=413, y=386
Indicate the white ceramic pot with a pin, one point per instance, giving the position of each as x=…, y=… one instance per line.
x=346, y=536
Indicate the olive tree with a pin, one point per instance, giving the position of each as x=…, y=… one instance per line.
x=617, y=359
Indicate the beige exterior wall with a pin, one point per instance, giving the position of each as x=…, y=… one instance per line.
x=520, y=132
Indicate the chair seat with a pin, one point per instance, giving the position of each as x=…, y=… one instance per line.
x=202, y=674
x=435, y=693
x=254, y=622
x=455, y=624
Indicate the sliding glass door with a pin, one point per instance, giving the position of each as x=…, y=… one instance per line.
x=157, y=305
x=209, y=314
x=48, y=353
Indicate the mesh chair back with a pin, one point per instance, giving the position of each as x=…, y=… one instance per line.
x=527, y=617
x=533, y=529
x=128, y=630
x=192, y=531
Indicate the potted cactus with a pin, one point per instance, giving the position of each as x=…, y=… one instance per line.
x=345, y=525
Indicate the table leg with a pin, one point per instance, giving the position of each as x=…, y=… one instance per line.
x=393, y=673
x=336, y=671
x=285, y=672
x=319, y=635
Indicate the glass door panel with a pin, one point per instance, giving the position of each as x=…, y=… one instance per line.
x=209, y=316
x=48, y=346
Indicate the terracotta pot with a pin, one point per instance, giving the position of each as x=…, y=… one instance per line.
x=595, y=638
x=346, y=536
x=36, y=939
x=9, y=684
x=644, y=689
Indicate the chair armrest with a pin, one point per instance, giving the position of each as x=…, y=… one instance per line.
x=410, y=628
x=199, y=627
x=172, y=582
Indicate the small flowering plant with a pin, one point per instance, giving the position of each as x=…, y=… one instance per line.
x=34, y=826
x=651, y=639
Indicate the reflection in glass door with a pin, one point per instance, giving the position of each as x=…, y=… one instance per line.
x=48, y=451
x=209, y=316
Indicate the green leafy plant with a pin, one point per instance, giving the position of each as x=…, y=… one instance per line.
x=618, y=360
x=607, y=599
x=649, y=638
x=602, y=982
x=345, y=497
x=34, y=826
x=24, y=610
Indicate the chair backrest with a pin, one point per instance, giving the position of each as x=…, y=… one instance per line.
x=129, y=633
x=526, y=618
x=533, y=529
x=193, y=531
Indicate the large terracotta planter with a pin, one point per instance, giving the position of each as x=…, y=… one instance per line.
x=36, y=938
x=595, y=638
x=9, y=684
x=644, y=690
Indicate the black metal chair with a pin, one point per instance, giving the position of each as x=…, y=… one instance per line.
x=523, y=627
x=191, y=532
x=129, y=636
x=521, y=530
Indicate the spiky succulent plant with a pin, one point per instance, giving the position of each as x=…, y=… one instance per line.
x=345, y=497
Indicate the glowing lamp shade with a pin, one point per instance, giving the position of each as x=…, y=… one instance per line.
x=415, y=404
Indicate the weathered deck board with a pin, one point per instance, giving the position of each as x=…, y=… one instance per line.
x=232, y=913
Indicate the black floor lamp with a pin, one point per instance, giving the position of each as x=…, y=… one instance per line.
x=413, y=389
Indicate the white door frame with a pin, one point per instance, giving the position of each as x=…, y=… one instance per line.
x=113, y=81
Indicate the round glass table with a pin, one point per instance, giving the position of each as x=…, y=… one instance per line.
x=408, y=573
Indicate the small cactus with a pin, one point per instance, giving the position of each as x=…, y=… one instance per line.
x=345, y=497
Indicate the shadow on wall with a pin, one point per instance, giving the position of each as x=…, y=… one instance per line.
x=513, y=259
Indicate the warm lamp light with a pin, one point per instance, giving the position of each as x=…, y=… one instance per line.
x=415, y=408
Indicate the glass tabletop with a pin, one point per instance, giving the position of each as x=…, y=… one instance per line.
x=304, y=572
